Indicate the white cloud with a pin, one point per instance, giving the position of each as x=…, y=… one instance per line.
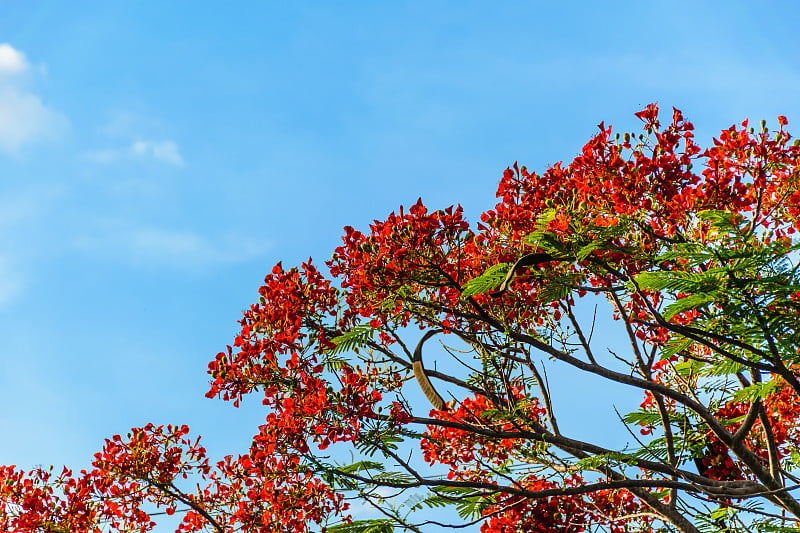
x=174, y=246
x=166, y=151
x=24, y=119
x=11, y=61
x=127, y=124
x=152, y=246
x=133, y=140
x=189, y=249
x=161, y=151
x=103, y=157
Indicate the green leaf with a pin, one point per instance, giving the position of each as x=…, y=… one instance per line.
x=705, y=282
x=721, y=513
x=559, y=287
x=693, y=252
x=357, y=337
x=756, y=391
x=676, y=344
x=661, y=280
x=604, y=459
x=378, y=525
x=689, y=368
x=334, y=362
x=642, y=417
x=470, y=503
x=418, y=501
x=723, y=368
x=684, y=304
x=534, y=238
x=491, y=278
x=360, y=466
x=775, y=528
x=723, y=221
x=584, y=252
x=394, y=477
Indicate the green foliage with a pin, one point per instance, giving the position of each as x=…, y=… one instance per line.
x=470, y=503
x=723, y=221
x=604, y=459
x=535, y=238
x=559, y=287
x=675, y=345
x=770, y=527
x=433, y=500
x=649, y=418
x=334, y=362
x=393, y=477
x=723, y=367
x=690, y=302
x=380, y=441
x=756, y=391
x=690, y=367
x=490, y=279
x=715, y=520
x=676, y=281
x=739, y=286
x=377, y=525
x=359, y=336
x=361, y=466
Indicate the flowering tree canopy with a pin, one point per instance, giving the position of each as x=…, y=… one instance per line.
x=692, y=250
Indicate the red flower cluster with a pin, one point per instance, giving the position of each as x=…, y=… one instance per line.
x=568, y=514
x=464, y=451
x=428, y=255
x=273, y=328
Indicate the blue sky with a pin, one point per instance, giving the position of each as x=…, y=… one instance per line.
x=157, y=158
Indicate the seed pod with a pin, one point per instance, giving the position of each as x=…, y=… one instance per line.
x=425, y=384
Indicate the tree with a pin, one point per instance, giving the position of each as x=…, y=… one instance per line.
x=698, y=267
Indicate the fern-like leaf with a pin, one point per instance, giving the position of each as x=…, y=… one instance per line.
x=487, y=281
x=357, y=337
x=378, y=525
